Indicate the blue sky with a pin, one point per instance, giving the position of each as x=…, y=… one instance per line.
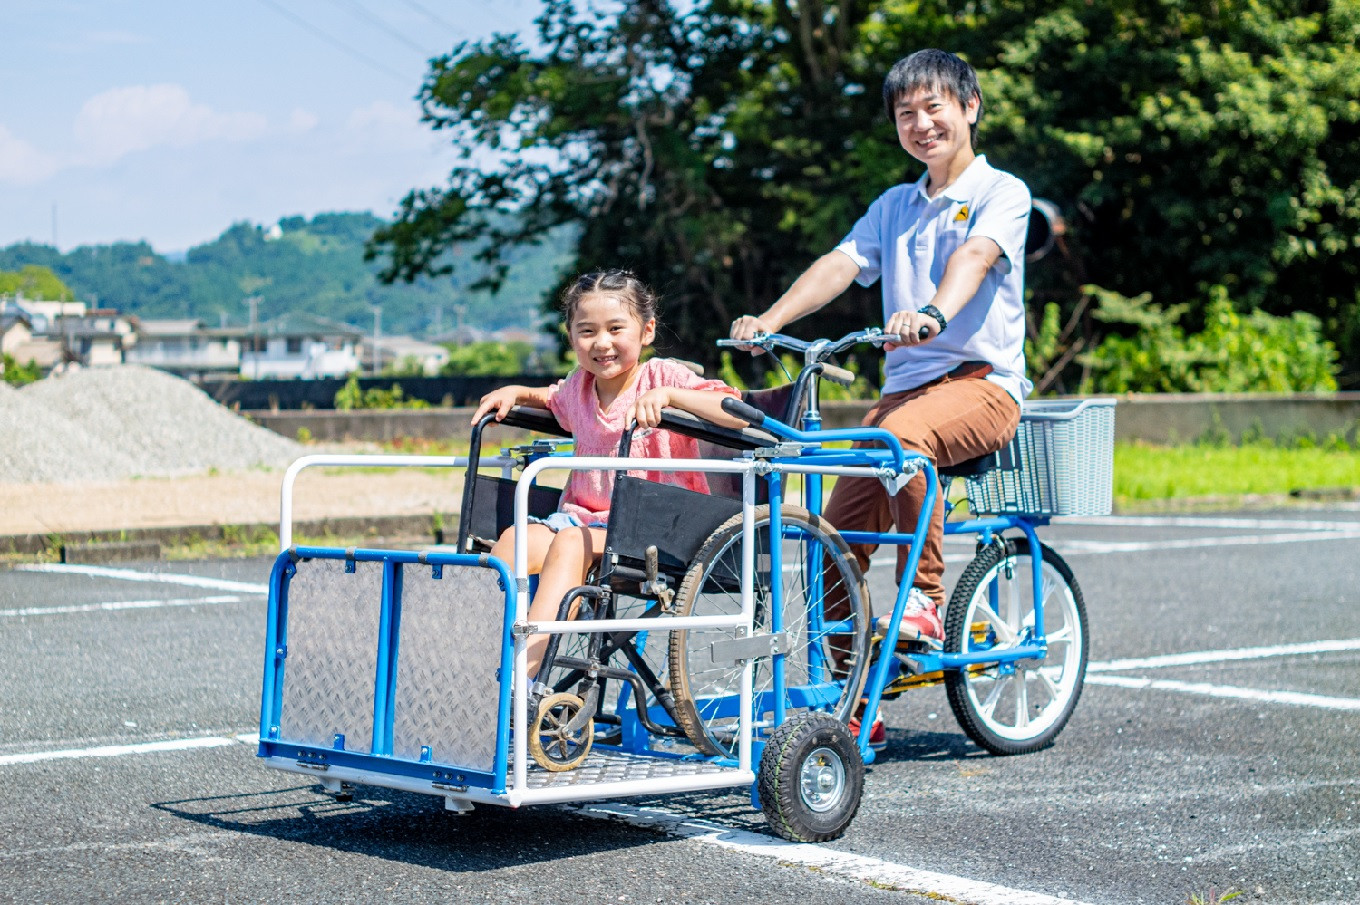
x=168, y=122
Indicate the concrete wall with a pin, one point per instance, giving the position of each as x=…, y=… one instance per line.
x=1159, y=419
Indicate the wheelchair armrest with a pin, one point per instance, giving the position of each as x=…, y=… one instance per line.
x=539, y=420
x=729, y=437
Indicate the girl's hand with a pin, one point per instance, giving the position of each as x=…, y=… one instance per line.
x=647, y=409
x=502, y=400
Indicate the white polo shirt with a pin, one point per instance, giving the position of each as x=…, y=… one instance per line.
x=906, y=238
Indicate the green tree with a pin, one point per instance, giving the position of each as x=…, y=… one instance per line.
x=1232, y=354
x=16, y=374
x=717, y=147
x=35, y=281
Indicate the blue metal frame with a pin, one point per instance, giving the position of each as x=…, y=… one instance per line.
x=380, y=760
x=885, y=669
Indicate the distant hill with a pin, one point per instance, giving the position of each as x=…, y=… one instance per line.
x=312, y=265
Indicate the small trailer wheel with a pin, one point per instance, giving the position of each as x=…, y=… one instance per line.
x=811, y=778
x=553, y=743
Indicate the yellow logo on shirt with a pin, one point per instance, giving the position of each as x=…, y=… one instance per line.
x=962, y=215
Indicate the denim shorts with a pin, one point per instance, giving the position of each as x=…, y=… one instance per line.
x=561, y=520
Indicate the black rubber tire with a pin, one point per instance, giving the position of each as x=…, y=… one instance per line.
x=550, y=745
x=710, y=587
x=1058, y=679
x=808, y=747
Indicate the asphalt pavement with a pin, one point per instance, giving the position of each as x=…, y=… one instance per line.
x=1214, y=748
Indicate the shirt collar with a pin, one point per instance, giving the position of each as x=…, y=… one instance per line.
x=961, y=189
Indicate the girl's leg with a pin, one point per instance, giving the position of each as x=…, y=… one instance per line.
x=569, y=558
x=540, y=537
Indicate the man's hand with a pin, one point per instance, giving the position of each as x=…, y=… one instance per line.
x=908, y=325
x=746, y=327
x=647, y=409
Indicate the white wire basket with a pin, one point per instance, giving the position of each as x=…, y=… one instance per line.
x=1060, y=462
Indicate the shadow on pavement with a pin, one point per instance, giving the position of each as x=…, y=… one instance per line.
x=410, y=828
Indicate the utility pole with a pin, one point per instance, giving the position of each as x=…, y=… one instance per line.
x=377, y=337
x=253, y=303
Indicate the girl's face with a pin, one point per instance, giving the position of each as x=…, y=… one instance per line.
x=607, y=336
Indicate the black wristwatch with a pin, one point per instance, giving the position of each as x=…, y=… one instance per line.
x=935, y=313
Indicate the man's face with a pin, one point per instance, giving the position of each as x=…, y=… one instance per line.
x=932, y=125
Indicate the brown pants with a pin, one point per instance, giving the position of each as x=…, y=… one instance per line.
x=951, y=420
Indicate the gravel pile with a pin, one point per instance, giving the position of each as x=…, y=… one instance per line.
x=102, y=424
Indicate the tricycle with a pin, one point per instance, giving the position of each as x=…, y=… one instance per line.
x=725, y=640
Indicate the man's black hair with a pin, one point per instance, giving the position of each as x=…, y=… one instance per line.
x=935, y=69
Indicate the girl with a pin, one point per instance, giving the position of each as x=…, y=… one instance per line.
x=610, y=318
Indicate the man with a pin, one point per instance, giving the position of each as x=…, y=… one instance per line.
x=949, y=251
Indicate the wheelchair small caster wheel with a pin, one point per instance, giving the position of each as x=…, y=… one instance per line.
x=811, y=778
x=559, y=739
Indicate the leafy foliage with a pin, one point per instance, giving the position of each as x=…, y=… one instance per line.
x=498, y=359
x=16, y=374
x=350, y=397
x=717, y=147
x=34, y=281
x=1233, y=353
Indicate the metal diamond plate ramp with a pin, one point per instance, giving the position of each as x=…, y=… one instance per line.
x=332, y=654
x=449, y=652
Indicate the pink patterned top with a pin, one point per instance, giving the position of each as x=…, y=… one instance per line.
x=597, y=433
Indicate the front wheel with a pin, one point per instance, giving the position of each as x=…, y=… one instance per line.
x=825, y=629
x=811, y=778
x=555, y=743
x=1021, y=706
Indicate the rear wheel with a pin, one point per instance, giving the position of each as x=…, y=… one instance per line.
x=825, y=624
x=1017, y=707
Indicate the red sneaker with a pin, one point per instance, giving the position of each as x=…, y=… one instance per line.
x=920, y=620
x=878, y=733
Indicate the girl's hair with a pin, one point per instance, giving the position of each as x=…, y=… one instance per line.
x=938, y=70
x=634, y=293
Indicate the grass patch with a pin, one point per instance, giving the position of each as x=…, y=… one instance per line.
x=1145, y=473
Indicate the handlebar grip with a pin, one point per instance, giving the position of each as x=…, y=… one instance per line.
x=837, y=375
x=922, y=334
x=748, y=413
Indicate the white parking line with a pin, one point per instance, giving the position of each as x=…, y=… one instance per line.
x=1230, y=691
x=882, y=874
x=176, y=744
x=1196, y=658
x=1195, y=521
x=114, y=605
x=1096, y=673
x=192, y=581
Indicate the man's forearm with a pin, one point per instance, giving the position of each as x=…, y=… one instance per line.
x=828, y=277
x=963, y=276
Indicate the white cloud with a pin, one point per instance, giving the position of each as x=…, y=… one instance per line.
x=121, y=121
x=384, y=125
x=302, y=121
x=20, y=162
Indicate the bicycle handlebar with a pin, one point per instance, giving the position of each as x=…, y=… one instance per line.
x=818, y=349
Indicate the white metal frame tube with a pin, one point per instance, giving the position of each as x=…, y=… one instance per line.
x=360, y=461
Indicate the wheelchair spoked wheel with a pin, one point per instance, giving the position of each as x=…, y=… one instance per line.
x=554, y=744
x=826, y=662
x=1019, y=707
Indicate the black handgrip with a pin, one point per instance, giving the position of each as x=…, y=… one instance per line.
x=748, y=413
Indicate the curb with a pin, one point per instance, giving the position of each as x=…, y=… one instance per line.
x=84, y=544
